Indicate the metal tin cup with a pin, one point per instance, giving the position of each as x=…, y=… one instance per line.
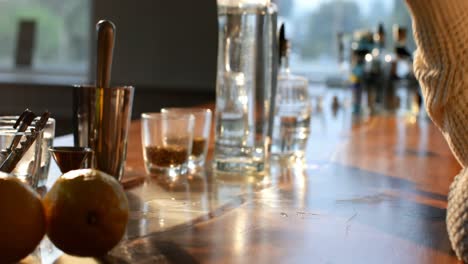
x=102, y=120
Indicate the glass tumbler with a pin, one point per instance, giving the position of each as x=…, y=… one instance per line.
x=291, y=123
x=47, y=141
x=167, y=143
x=28, y=166
x=201, y=134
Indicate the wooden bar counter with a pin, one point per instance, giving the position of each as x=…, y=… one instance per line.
x=372, y=190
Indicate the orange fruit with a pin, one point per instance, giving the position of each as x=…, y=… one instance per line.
x=22, y=220
x=86, y=212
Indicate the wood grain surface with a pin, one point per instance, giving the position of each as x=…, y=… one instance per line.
x=372, y=189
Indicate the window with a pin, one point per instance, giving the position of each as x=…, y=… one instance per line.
x=62, y=34
x=313, y=26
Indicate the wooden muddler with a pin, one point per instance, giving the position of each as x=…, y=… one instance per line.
x=105, y=48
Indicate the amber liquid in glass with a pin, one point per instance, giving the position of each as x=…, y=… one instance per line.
x=166, y=156
x=198, y=146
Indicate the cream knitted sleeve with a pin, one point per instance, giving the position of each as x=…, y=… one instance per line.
x=441, y=66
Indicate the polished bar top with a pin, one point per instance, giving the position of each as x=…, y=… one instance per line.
x=372, y=190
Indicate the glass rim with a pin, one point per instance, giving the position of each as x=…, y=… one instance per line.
x=294, y=78
x=116, y=87
x=167, y=116
x=189, y=110
x=71, y=149
x=14, y=132
x=13, y=118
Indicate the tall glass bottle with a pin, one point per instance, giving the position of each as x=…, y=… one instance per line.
x=291, y=123
x=246, y=66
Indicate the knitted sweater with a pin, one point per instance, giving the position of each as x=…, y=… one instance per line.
x=441, y=66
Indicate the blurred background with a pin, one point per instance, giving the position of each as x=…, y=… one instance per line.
x=313, y=28
x=162, y=47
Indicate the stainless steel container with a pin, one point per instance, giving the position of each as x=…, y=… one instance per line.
x=102, y=120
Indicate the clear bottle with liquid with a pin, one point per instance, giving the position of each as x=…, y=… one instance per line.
x=244, y=85
x=291, y=125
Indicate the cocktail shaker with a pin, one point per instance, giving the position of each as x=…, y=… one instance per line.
x=102, y=113
x=102, y=120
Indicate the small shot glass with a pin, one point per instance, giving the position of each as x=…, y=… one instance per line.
x=167, y=143
x=201, y=134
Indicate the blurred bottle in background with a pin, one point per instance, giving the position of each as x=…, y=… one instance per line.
x=404, y=69
x=360, y=52
x=403, y=58
x=379, y=71
x=291, y=125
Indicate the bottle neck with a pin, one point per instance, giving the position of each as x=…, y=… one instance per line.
x=284, y=68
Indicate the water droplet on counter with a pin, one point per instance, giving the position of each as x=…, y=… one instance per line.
x=284, y=214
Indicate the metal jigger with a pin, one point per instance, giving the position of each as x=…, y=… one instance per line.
x=70, y=158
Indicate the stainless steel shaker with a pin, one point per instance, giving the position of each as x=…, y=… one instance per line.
x=102, y=120
x=102, y=113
